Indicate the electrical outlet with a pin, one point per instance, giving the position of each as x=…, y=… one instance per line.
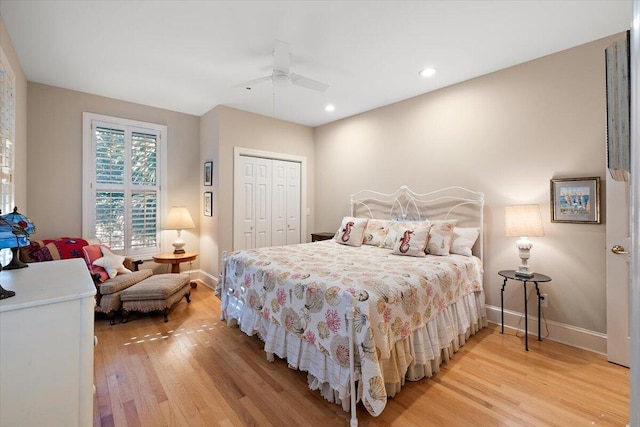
x=544, y=300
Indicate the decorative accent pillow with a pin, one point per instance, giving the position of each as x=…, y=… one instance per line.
x=27, y=253
x=376, y=232
x=62, y=248
x=394, y=230
x=92, y=253
x=111, y=262
x=440, y=237
x=351, y=231
x=412, y=241
x=464, y=239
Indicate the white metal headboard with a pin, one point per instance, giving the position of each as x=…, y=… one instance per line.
x=458, y=203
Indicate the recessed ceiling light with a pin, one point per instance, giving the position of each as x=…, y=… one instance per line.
x=428, y=72
x=329, y=108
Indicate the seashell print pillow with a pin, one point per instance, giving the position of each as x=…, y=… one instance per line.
x=351, y=232
x=394, y=228
x=441, y=237
x=412, y=241
x=376, y=232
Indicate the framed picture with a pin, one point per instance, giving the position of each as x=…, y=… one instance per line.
x=575, y=200
x=208, y=171
x=208, y=203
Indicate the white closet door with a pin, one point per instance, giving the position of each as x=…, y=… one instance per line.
x=263, y=203
x=245, y=189
x=267, y=197
x=293, y=202
x=279, y=204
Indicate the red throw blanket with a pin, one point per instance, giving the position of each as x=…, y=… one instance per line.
x=62, y=248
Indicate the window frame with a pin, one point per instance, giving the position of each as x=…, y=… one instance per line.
x=89, y=120
x=8, y=197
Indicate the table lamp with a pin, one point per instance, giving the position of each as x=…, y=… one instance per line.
x=25, y=223
x=11, y=236
x=178, y=219
x=523, y=221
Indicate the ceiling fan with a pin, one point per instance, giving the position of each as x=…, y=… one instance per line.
x=281, y=76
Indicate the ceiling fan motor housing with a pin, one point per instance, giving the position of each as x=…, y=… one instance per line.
x=280, y=78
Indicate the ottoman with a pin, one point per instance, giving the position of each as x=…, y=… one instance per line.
x=108, y=294
x=158, y=292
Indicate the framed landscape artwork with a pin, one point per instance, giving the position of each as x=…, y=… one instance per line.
x=208, y=171
x=575, y=200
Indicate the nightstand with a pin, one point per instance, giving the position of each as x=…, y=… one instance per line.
x=316, y=237
x=535, y=279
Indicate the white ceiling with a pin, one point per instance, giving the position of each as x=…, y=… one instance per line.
x=189, y=56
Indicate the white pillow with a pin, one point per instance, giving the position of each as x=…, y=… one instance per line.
x=351, y=232
x=464, y=239
x=412, y=241
x=111, y=262
x=440, y=237
x=376, y=232
x=394, y=230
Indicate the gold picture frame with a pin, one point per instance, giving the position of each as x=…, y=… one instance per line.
x=575, y=200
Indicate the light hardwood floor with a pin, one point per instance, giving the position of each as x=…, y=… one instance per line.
x=196, y=371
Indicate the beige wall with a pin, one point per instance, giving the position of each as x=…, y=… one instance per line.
x=209, y=148
x=20, y=177
x=247, y=130
x=505, y=134
x=55, y=158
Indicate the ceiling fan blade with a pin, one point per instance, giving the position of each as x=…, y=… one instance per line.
x=252, y=83
x=281, y=57
x=303, y=81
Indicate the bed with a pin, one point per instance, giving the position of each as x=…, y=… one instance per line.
x=394, y=294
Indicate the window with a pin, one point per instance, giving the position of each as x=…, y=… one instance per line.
x=7, y=139
x=7, y=134
x=122, y=199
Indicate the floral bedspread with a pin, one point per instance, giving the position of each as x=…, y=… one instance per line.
x=301, y=288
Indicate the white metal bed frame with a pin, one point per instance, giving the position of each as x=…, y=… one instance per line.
x=405, y=205
x=404, y=200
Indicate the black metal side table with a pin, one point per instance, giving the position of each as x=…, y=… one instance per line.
x=535, y=279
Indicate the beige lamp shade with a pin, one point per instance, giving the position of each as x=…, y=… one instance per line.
x=523, y=220
x=178, y=219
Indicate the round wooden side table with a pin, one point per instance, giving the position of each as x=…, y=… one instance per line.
x=175, y=260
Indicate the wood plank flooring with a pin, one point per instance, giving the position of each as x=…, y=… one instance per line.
x=196, y=371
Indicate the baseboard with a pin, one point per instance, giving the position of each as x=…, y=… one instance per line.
x=208, y=279
x=204, y=277
x=559, y=332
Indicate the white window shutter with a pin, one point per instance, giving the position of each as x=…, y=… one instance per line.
x=122, y=186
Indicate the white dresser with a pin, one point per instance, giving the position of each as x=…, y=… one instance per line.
x=46, y=345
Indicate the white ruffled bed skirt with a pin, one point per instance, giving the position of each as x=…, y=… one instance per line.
x=416, y=357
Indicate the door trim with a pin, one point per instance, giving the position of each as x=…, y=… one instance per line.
x=250, y=152
x=634, y=400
